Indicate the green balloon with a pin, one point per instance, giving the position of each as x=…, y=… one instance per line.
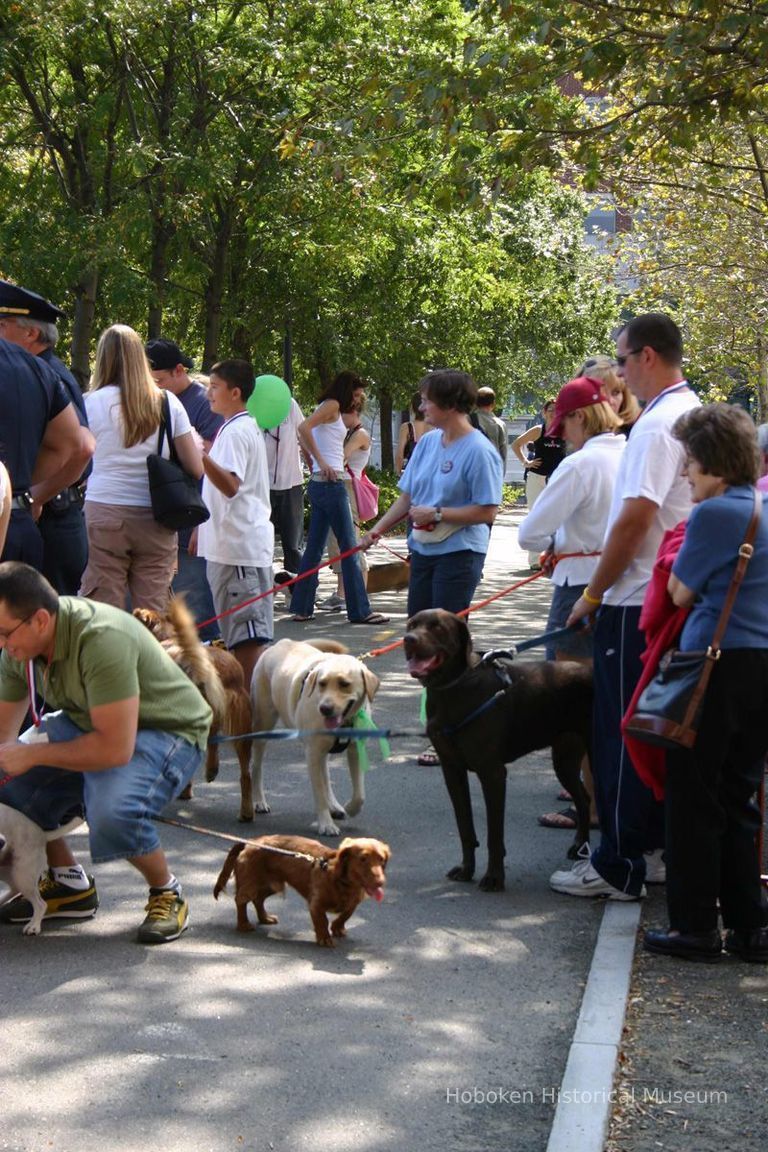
x=270, y=401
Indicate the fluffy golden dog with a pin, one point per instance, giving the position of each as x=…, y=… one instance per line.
x=330, y=880
x=219, y=677
x=309, y=688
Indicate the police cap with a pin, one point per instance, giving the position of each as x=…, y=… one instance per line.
x=17, y=301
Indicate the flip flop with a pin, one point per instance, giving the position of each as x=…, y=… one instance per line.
x=565, y=818
x=428, y=759
x=374, y=618
x=564, y=794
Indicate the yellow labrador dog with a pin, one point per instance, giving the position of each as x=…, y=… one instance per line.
x=305, y=687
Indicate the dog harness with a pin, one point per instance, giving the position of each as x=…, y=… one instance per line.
x=497, y=660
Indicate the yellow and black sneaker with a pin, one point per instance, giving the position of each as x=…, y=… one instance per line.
x=167, y=917
x=62, y=902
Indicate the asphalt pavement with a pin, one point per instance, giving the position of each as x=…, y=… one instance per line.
x=448, y=1019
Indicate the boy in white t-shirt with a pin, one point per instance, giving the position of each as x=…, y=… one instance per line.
x=238, y=540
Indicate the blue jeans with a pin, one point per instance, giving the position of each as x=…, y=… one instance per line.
x=329, y=508
x=119, y=802
x=192, y=581
x=448, y=581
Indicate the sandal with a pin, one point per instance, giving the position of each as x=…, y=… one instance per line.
x=565, y=795
x=428, y=759
x=565, y=818
x=374, y=618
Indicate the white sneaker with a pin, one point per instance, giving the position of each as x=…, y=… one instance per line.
x=584, y=880
x=655, y=867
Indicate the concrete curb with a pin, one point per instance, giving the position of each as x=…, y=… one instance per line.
x=584, y=1105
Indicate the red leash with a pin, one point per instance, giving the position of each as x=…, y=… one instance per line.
x=281, y=587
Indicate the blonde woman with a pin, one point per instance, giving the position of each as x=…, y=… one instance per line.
x=623, y=402
x=129, y=552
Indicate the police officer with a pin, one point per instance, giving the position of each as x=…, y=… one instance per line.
x=42, y=443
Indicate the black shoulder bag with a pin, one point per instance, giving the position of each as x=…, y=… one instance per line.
x=668, y=712
x=176, y=499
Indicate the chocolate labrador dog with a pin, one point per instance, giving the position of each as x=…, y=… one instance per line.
x=483, y=712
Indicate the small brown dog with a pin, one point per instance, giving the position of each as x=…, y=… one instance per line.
x=219, y=677
x=329, y=879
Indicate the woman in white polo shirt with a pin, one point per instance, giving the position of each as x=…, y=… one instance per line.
x=569, y=519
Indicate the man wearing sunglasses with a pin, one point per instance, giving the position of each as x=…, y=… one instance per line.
x=651, y=496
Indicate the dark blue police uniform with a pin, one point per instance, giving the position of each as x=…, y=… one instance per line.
x=62, y=522
x=31, y=395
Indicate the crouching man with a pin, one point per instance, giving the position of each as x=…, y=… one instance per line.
x=120, y=731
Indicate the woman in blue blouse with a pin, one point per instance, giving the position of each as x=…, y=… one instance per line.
x=712, y=821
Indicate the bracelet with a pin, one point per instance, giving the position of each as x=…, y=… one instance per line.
x=591, y=599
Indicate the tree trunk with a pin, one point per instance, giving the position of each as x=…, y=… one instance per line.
x=214, y=289
x=385, y=431
x=82, y=329
x=162, y=231
x=762, y=380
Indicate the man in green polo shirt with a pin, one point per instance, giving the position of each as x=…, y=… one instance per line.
x=120, y=732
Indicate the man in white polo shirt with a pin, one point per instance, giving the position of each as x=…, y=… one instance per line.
x=651, y=496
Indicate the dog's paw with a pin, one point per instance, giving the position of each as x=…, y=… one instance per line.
x=31, y=929
x=262, y=808
x=491, y=883
x=340, y=813
x=354, y=806
x=325, y=828
x=460, y=872
x=245, y=817
x=325, y=942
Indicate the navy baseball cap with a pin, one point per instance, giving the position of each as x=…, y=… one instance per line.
x=164, y=355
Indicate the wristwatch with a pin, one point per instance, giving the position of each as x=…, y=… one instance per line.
x=438, y=514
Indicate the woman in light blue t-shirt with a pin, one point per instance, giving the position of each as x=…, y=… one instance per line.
x=450, y=492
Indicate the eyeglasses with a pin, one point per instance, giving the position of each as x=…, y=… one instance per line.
x=621, y=360
x=5, y=636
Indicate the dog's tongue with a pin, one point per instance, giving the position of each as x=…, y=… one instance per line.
x=421, y=668
x=376, y=894
x=332, y=722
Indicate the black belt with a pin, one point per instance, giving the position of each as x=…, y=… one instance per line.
x=75, y=494
x=22, y=500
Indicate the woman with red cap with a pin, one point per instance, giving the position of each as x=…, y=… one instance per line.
x=569, y=518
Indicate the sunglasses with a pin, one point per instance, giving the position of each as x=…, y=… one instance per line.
x=621, y=360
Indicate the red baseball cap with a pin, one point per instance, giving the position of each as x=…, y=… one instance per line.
x=582, y=392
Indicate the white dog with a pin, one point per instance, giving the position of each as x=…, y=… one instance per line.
x=306, y=687
x=22, y=859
